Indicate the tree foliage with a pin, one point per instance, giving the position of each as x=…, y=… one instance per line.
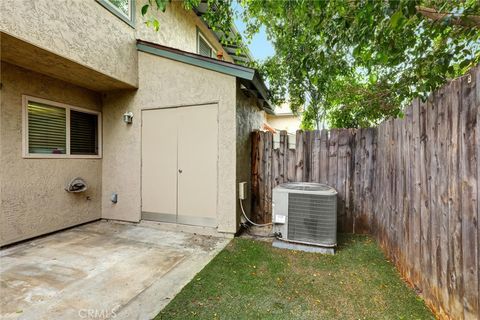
x=353, y=63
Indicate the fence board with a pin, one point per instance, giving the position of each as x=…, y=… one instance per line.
x=476, y=77
x=425, y=230
x=315, y=161
x=417, y=187
x=468, y=173
x=408, y=194
x=283, y=150
x=324, y=147
x=372, y=154
x=455, y=263
x=442, y=196
x=432, y=193
x=341, y=176
x=299, y=156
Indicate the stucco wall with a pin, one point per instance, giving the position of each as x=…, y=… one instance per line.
x=249, y=117
x=33, y=199
x=178, y=29
x=107, y=43
x=165, y=83
x=290, y=123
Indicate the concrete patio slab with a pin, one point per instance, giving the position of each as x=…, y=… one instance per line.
x=100, y=270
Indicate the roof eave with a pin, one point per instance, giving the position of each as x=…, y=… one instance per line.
x=263, y=91
x=196, y=60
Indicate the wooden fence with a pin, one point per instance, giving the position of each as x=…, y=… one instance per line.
x=411, y=182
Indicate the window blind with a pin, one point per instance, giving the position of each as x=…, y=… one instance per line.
x=83, y=133
x=203, y=47
x=47, y=131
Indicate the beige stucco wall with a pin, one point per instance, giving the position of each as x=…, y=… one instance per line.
x=249, y=117
x=165, y=83
x=290, y=123
x=107, y=43
x=33, y=199
x=81, y=30
x=178, y=29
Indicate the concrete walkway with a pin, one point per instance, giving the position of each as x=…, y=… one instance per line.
x=102, y=270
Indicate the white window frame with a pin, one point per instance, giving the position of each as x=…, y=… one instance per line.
x=200, y=35
x=25, y=150
x=128, y=18
x=129, y=10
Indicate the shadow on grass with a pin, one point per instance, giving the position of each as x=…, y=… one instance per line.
x=344, y=240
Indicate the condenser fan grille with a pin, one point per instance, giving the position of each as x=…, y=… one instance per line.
x=306, y=186
x=312, y=218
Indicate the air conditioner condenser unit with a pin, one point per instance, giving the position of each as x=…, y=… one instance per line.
x=305, y=217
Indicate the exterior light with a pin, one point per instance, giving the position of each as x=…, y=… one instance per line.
x=128, y=117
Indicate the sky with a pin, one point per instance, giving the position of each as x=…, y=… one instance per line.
x=260, y=46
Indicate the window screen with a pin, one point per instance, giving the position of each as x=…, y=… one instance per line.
x=47, y=131
x=203, y=47
x=83, y=133
x=122, y=5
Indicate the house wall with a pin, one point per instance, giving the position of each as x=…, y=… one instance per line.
x=249, y=117
x=33, y=199
x=178, y=29
x=290, y=123
x=108, y=43
x=165, y=83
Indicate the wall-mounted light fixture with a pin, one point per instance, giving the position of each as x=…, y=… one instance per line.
x=128, y=117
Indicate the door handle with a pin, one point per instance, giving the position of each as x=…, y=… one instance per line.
x=180, y=170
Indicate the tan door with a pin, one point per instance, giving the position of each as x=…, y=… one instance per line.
x=179, y=165
x=159, y=164
x=197, y=165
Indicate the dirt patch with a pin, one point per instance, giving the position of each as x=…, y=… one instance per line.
x=206, y=243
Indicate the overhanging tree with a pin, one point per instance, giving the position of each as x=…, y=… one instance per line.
x=363, y=61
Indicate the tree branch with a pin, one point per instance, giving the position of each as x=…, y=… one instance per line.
x=469, y=21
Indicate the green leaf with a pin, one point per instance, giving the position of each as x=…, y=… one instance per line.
x=156, y=24
x=161, y=5
x=357, y=51
x=396, y=19
x=145, y=9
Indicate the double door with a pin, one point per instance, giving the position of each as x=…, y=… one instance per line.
x=179, y=165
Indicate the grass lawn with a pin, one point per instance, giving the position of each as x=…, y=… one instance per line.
x=251, y=280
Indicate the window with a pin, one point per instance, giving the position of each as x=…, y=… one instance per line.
x=124, y=9
x=203, y=47
x=47, y=129
x=83, y=133
x=56, y=130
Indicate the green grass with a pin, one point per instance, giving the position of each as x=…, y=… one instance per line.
x=251, y=280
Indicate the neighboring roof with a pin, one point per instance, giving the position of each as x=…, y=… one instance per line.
x=242, y=56
x=249, y=77
x=284, y=115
